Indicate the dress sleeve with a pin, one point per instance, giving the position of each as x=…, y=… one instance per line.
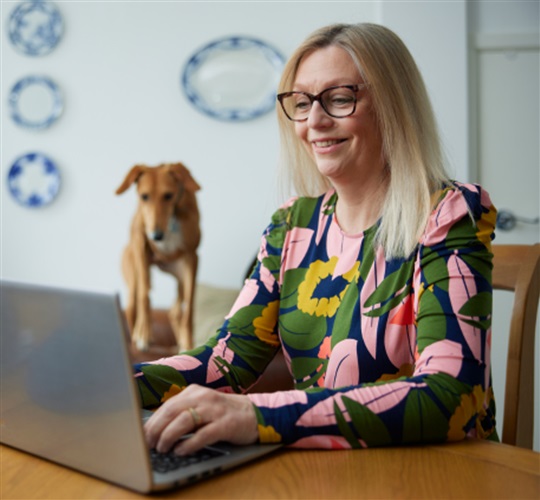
x=448, y=395
x=233, y=359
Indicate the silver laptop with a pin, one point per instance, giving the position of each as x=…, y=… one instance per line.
x=68, y=394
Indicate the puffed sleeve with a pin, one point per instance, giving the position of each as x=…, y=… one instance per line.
x=448, y=395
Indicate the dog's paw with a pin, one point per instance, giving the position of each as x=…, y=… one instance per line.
x=141, y=335
x=141, y=345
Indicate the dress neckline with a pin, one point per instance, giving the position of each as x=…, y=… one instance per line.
x=329, y=208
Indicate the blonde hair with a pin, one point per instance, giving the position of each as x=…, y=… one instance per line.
x=411, y=144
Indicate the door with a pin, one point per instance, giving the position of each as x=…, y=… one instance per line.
x=508, y=162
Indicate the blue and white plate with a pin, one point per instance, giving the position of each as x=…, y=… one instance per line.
x=35, y=27
x=35, y=102
x=234, y=78
x=34, y=180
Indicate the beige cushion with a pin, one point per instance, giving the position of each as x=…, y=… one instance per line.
x=212, y=304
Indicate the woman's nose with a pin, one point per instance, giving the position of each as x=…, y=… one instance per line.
x=318, y=116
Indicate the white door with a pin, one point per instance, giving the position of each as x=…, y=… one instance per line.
x=508, y=161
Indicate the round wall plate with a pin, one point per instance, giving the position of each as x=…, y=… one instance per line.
x=233, y=78
x=35, y=27
x=33, y=180
x=35, y=102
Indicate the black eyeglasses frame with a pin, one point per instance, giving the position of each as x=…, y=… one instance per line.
x=312, y=98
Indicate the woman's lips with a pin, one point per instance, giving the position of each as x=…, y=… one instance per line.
x=326, y=145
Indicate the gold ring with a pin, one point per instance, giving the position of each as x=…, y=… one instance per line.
x=197, y=419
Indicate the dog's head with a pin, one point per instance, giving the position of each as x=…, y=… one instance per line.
x=162, y=190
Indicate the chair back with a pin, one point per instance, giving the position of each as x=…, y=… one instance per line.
x=517, y=268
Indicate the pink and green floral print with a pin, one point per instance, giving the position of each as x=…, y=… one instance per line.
x=382, y=352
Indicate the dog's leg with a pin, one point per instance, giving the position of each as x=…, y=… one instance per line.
x=129, y=278
x=142, y=328
x=177, y=310
x=190, y=291
x=189, y=274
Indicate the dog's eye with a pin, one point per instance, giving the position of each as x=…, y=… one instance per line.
x=145, y=197
x=168, y=196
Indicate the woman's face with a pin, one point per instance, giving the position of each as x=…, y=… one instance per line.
x=344, y=149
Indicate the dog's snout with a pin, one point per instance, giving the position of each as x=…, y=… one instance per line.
x=158, y=235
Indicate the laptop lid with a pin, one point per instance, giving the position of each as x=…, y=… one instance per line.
x=68, y=393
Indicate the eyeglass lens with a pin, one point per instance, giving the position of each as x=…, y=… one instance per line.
x=337, y=102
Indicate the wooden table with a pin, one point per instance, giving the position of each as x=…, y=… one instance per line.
x=472, y=469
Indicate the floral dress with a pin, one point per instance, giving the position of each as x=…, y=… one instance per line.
x=381, y=351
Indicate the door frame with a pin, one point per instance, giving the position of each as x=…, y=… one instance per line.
x=487, y=42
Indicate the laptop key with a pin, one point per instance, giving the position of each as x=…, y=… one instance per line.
x=165, y=462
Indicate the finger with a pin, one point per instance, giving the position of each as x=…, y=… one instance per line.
x=159, y=421
x=205, y=436
x=170, y=411
x=196, y=417
x=152, y=430
x=173, y=431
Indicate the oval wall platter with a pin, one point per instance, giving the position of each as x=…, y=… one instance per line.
x=233, y=78
x=34, y=180
x=35, y=102
x=35, y=27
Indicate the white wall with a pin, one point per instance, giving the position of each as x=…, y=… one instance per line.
x=119, y=66
x=436, y=34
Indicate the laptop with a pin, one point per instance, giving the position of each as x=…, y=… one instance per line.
x=68, y=393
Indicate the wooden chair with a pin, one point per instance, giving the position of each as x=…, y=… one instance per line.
x=517, y=268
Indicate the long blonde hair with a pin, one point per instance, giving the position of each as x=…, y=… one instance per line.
x=411, y=144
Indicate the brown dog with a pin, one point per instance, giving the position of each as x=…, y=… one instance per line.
x=165, y=231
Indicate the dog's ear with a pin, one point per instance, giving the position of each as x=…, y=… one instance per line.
x=131, y=177
x=180, y=171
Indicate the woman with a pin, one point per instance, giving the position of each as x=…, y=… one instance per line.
x=375, y=282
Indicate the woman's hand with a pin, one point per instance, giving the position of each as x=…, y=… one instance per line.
x=210, y=415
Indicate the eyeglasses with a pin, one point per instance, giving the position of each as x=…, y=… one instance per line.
x=338, y=102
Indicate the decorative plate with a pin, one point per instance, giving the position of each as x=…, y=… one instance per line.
x=234, y=78
x=35, y=102
x=34, y=180
x=35, y=27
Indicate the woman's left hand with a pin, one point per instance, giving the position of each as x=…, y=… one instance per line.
x=210, y=415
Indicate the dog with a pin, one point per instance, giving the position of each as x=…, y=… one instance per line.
x=165, y=231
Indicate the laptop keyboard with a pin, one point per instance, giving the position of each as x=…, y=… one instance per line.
x=166, y=462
